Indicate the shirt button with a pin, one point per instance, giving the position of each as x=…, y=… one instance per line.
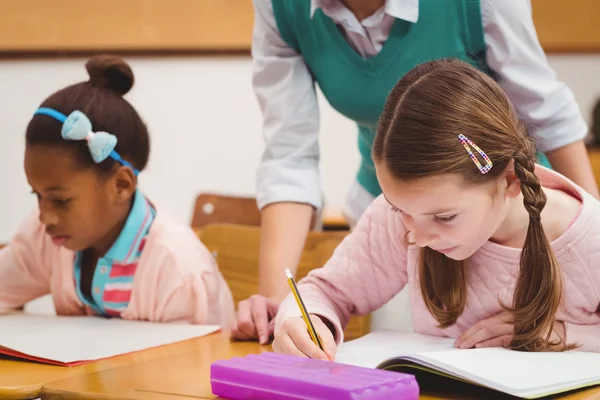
x=103, y=270
x=97, y=290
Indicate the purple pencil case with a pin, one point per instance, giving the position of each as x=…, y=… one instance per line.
x=275, y=376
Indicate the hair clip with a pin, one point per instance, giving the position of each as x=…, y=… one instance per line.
x=466, y=142
x=77, y=126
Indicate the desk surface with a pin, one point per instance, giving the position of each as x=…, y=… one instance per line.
x=186, y=376
x=24, y=380
x=182, y=375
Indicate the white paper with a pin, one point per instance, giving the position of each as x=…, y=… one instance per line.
x=83, y=338
x=525, y=374
x=518, y=372
x=376, y=347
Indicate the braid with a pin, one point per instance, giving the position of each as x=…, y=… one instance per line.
x=534, y=198
x=538, y=290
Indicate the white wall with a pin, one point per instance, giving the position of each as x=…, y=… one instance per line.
x=205, y=126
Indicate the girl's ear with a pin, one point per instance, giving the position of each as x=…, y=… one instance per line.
x=123, y=184
x=513, y=184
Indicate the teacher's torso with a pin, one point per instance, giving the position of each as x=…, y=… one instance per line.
x=358, y=86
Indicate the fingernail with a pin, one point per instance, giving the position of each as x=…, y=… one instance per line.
x=263, y=340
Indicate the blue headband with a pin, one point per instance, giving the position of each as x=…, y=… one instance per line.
x=77, y=126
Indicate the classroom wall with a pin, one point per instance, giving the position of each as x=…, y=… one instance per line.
x=205, y=126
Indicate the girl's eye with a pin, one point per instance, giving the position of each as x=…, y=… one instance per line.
x=61, y=202
x=445, y=220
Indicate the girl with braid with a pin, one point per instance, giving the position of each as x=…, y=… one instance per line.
x=495, y=249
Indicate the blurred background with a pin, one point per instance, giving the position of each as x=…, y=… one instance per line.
x=191, y=60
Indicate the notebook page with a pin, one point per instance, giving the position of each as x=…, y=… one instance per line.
x=520, y=373
x=376, y=347
x=71, y=339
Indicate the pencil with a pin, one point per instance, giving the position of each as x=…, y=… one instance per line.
x=311, y=329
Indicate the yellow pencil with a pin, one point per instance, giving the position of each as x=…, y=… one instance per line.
x=311, y=329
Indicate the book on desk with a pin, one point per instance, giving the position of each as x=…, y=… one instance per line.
x=520, y=374
x=71, y=341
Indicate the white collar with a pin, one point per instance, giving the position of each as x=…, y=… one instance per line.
x=407, y=10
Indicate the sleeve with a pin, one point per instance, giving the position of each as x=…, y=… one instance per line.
x=22, y=275
x=587, y=251
x=366, y=270
x=187, y=287
x=545, y=104
x=283, y=85
x=586, y=336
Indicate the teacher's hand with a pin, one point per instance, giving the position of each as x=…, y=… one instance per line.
x=255, y=319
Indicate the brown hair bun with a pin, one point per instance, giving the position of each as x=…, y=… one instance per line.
x=110, y=72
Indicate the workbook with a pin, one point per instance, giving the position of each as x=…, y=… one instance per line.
x=70, y=341
x=522, y=374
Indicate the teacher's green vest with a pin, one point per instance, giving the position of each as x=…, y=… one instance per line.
x=357, y=87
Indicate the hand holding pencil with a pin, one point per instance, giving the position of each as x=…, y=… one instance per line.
x=306, y=336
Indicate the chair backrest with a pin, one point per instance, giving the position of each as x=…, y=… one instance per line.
x=236, y=249
x=216, y=208
x=594, y=154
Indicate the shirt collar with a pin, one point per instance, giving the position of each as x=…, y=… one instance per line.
x=407, y=10
x=124, y=248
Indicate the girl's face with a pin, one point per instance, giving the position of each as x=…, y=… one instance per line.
x=79, y=208
x=443, y=213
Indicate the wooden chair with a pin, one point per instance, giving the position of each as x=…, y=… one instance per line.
x=594, y=154
x=213, y=208
x=216, y=208
x=236, y=249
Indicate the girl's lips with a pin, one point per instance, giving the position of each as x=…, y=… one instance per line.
x=59, y=240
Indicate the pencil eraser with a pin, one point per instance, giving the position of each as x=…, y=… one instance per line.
x=275, y=376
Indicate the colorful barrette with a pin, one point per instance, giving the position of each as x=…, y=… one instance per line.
x=77, y=126
x=468, y=143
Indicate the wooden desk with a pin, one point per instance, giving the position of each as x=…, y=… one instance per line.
x=24, y=380
x=334, y=219
x=187, y=376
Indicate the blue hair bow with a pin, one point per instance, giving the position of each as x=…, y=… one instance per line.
x=77, y=126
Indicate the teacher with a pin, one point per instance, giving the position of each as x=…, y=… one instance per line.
x=356, y=51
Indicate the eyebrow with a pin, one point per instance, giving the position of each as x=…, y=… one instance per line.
x=55, y=189
x=434, y=212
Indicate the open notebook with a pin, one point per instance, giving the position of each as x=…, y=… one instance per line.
x=72, y=341
x=521, y=374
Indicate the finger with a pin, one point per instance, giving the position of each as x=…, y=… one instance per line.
x=261, y=320
x=486, y=333
x=236, y=334
x=301, y=338
x=271, y=327
x=285, y=344
x=326, y=336
x=477, y=327
x=245, y=321
x=272, y=308
x=501, y=341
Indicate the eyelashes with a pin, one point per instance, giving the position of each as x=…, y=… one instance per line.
x=445, y=220
x=441, y=220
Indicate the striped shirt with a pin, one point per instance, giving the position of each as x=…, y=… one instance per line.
x=113, y=277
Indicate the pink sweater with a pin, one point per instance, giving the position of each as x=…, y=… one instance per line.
x=176, y=280
x=374, y=263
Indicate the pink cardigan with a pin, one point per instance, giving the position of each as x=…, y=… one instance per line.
x=176, y=280
x=374, y=263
